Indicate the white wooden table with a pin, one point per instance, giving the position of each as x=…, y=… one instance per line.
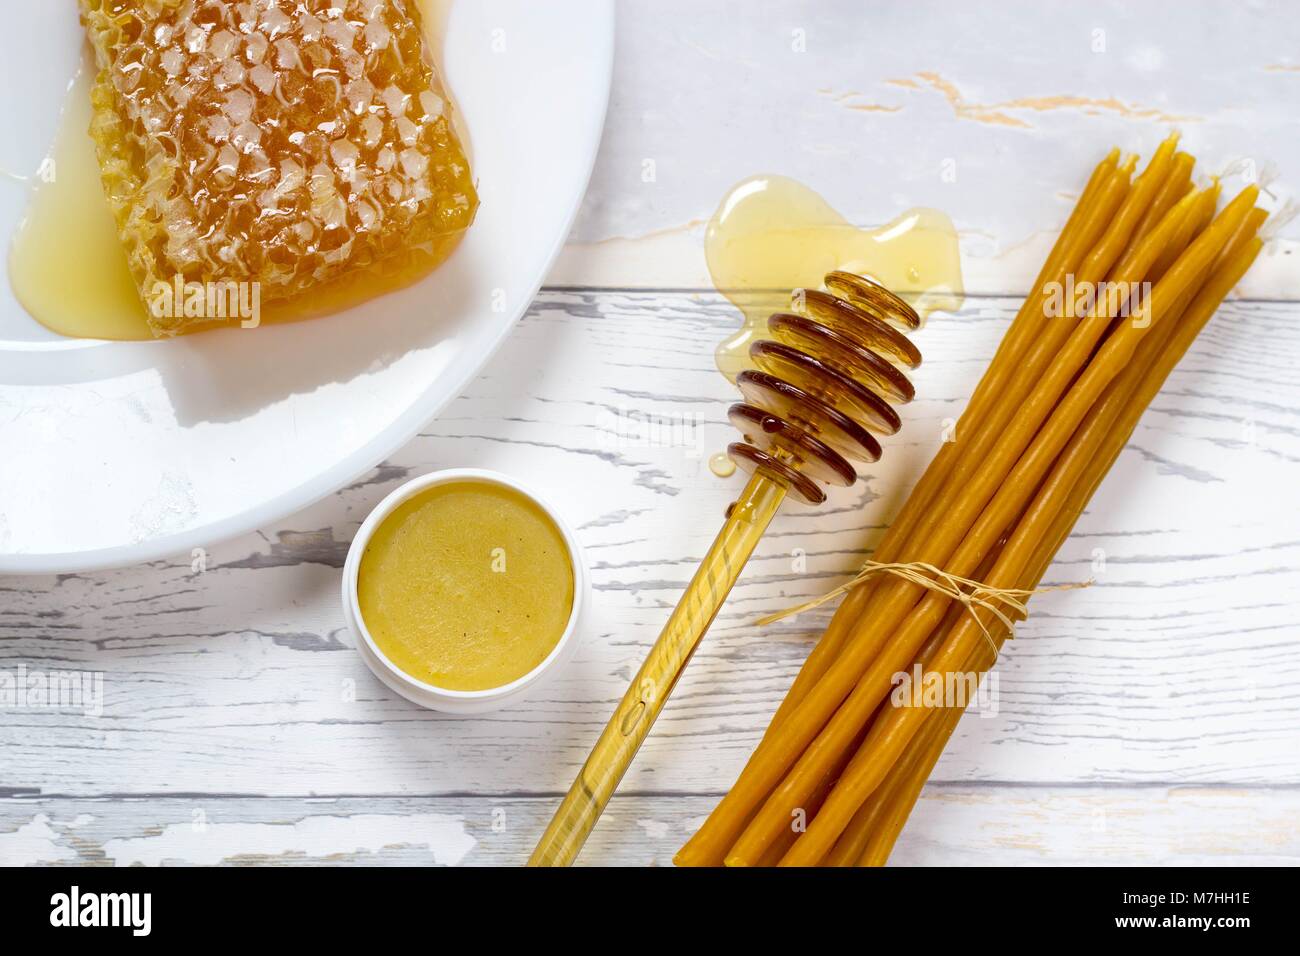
x=1151, y=718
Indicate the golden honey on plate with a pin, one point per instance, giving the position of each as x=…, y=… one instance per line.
x=300, y=153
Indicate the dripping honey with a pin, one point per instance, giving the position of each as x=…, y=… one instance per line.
x=772, y=234
x=69, y=270
x=722, y=465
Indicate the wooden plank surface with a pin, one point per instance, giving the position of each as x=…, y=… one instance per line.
x=1148, y=718
x=953, y=825
x=992, y=112
x=237, y=683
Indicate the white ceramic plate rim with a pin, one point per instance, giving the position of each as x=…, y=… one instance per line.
x=404, y=428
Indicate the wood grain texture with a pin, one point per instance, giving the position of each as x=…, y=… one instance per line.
x=1150, y=718
x=994, y=113
x=953, y=825
x=237, y=683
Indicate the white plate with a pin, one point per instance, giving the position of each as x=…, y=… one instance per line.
x=113, y=453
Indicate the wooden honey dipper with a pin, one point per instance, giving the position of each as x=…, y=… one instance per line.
x=821, y=385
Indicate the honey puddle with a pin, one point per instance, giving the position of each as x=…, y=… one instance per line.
x=772, y=234
x=67, y=265
x=68, y=268
x=722, y=465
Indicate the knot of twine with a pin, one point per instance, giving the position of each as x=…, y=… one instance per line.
x=973, y=595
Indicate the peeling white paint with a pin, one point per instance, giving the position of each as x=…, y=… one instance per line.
x=211, y=843
x=654, y=829
x=34, y=843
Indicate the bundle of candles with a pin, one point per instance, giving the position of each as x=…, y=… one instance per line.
x=1148, y=261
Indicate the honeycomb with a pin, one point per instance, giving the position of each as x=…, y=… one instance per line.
x=289, y=143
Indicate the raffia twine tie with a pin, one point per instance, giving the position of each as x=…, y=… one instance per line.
x=973, y=595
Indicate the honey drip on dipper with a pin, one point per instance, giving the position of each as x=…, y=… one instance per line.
x=819, y=373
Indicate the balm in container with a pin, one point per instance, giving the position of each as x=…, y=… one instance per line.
x=422, y=692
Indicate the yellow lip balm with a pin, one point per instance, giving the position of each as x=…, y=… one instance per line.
x=467, y=585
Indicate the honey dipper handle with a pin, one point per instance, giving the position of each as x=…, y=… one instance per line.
x=636, y=713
